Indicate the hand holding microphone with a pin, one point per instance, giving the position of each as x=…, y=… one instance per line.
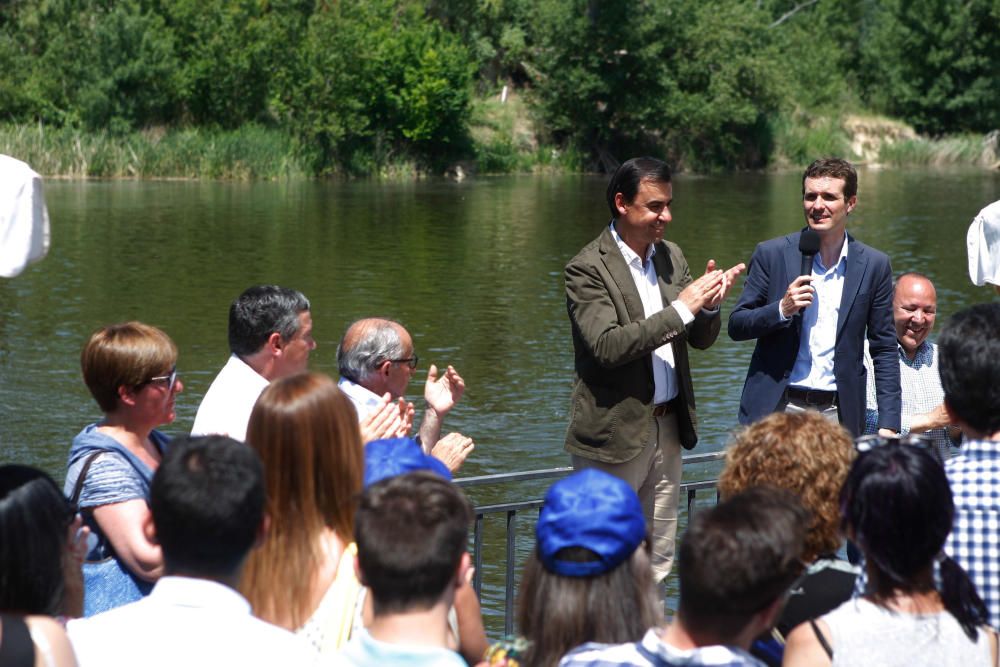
x=800, y=292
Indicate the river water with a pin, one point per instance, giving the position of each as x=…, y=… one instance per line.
x=472, y=269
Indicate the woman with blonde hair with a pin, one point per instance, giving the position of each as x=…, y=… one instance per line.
x=810, y=456
x=131, y=371
x=302, y=578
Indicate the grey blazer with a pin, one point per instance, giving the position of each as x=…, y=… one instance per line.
x=612, y=403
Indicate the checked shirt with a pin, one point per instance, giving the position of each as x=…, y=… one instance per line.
x=974, y=542
x=922, y=392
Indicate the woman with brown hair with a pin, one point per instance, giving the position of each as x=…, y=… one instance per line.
x=810, y=456
x=302, y=578
x=131, y=371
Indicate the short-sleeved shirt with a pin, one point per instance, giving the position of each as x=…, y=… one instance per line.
x=974, y=543
x=651, y=651
x=115, y=476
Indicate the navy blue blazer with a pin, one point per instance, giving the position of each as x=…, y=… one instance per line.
x=866, y=306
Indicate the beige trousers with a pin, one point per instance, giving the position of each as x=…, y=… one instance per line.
x=655, y=474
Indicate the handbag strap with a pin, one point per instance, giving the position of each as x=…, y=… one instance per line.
x=75, y=499
x=822, y=640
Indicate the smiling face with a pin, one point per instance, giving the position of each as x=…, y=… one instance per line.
x=825, y=205
x=643, y=220
x=914, y=307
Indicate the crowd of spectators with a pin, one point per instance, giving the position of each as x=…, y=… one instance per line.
x=328, y=539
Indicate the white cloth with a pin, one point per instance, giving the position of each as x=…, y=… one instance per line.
x=865, y=634
x=227, y=405
x=24, y=220
x=185, y=622
x=644, y=277
x=365, y=401
x=984, y=246
x=813, y=367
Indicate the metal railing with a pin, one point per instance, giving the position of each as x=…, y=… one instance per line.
x=511, y=510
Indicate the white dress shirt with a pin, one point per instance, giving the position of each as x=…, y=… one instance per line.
x=365, y=401
x=185, y=622
x=813, y=367
x=645, y=279
x=227, y=405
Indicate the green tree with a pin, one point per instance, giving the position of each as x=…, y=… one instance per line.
x=935, y=63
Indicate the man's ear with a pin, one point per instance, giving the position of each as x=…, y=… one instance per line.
x=620, y=203
x=274, y=343
x=851, y=203
x=464, y=571
x=383, y=368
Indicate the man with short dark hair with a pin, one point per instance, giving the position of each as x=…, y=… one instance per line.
x=377, y=360
x=914, y=309
x=969, y=350
x=634, y=309
x=207, y=501
x=270, y=336
x=411, y=533
x=810, y=328
x=736, y=563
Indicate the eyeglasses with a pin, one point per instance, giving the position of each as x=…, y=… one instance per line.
x=866, y=443
x=171, y=379
x=409, y=361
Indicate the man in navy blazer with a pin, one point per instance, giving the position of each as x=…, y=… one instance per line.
x=810, y=329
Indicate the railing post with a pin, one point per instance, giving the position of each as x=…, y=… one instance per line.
x=508, y=603
x=477, y=555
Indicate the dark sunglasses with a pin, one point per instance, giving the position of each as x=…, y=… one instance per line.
x=409, y=361
x=170, y=379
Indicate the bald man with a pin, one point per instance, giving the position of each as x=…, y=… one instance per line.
x=376, y=362
x=914, y=308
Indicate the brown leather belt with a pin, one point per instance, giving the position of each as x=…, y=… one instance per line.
x=663, y=409
x=812, y=397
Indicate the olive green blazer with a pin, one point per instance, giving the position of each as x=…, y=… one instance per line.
x=611, y=412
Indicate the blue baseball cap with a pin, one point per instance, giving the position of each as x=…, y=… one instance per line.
x=593, y=510
x=397, y=456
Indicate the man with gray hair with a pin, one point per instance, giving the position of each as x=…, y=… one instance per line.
x=270, y=336
x=376, y=362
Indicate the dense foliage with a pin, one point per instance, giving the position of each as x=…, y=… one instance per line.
x=360, y=85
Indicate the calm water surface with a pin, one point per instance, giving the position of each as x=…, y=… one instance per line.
x=473, y=270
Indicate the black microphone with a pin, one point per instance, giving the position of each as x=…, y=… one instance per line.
x=808, y=246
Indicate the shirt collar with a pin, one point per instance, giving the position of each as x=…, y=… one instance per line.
x=923, y=357
x=358, y=393
x=181, y=591
x=627, y=252
x=840, y=260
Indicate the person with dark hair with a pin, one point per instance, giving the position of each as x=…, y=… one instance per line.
x=131, y=371
x=42, y=542
x=589, y=578
x=897, y=507
x=411, y=531
x=809, y=300
x=634, y=309
x=207, y=501
x=377, y=360
x=809, y=456
x=736, y=563
x=969, y=350
x=270, y=336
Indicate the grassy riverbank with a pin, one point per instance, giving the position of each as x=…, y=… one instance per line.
x=503, y=139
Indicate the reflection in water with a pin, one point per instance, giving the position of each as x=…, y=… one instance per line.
x=474, y=271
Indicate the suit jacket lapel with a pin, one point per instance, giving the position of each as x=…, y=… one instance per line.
x=857, y=262
x=615, y=263
x=793, y=264
x=665, y=278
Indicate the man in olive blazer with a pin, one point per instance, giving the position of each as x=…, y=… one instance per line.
x=634, y=308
